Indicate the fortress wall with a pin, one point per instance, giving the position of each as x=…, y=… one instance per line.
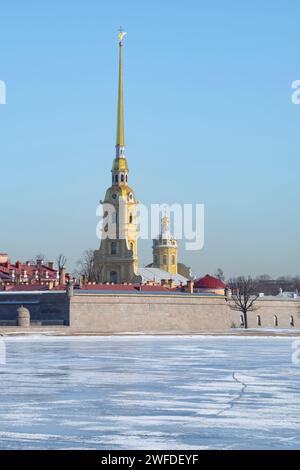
x=147, y=313
x=171, y=314
x=282, y=309
x=138, y=313
x=43, y=306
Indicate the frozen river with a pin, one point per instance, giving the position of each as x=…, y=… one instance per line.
x=149, y=392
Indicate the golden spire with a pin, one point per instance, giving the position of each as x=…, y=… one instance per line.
x=120, y=142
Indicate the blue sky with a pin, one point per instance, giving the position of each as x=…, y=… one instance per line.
x=209, y=119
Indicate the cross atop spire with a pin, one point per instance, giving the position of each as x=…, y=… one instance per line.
x=120, y=141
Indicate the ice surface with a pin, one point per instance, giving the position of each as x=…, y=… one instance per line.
x=149, y=392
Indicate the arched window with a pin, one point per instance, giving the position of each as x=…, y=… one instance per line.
x=116, y=178
x=113, y=277
x=113, y=248
x=292, y=323
x=164, y=259
x=258, y=318
x=122, y=178
x=275, y=320
x=130, y=218
x=131, y=246
x=126, y=178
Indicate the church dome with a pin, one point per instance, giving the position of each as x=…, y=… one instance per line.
x=209, y=282
x=116, y=191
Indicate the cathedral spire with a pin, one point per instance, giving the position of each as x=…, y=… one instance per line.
x=120, y=141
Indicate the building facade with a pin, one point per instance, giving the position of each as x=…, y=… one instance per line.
x=37, y=273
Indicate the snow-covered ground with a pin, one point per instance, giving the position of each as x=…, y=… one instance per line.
x=149, y=392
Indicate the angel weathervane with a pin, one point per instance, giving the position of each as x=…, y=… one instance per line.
x=121, y=35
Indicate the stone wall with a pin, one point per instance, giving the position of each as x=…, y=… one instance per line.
x=107, y=313
x=47, y=308
x=285, y=311
x=143, y=312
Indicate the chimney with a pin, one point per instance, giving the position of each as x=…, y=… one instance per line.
x=3, y=258
x=190, y=287
x=228, y=293
x=51, y=264
x=70, y=289
x=82, y=281
x=62, y=276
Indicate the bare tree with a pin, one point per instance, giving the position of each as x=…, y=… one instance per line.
x=263, y=277
x=40, y=258
x=88, y=269
x=61, y=262
x=220, y=274
x=243, y=296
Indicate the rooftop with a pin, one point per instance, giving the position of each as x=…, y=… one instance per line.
x=156, y=275
x=209, y=282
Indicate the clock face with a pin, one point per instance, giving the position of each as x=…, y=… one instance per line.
x=114, y=196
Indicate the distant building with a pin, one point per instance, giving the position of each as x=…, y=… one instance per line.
x=165, y=258
x=30, y=273
x=275, y=287
x=165, y=249
x=209, y=284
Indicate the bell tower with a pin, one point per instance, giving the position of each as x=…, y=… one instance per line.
x=165, y=249
x=117, y=258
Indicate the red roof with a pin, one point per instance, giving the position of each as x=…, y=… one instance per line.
x=26, y=288
x=112, y=287
x=31, y=288
x=149, y=288
x=124, y=287
x=209, y=282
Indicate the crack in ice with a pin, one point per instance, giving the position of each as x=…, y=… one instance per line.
x=235, y=399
